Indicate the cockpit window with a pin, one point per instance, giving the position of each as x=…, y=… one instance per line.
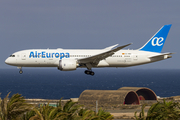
x=12, y=55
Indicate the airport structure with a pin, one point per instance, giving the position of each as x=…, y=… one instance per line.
x=124, y=95
x=121, y=103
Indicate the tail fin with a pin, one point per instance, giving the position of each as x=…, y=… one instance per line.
x=156, y=42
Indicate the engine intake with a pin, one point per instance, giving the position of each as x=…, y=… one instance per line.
x=67, y=65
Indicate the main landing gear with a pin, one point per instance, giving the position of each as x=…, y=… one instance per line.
x=89, y=72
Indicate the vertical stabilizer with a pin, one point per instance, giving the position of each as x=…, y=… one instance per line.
x=156, y=42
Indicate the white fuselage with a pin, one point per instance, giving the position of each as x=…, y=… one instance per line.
x=112, y=56
x=51, y=57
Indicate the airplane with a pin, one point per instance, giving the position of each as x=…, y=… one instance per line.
x=113, y=56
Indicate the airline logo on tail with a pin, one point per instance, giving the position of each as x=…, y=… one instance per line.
x=155, y=44
x=157, y=41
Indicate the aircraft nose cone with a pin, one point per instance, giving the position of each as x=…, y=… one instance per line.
x=7, y=61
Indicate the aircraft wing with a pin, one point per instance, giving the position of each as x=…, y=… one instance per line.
x=111, y=47
x=96, y=58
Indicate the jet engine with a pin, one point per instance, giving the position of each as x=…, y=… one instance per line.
x=67, y=64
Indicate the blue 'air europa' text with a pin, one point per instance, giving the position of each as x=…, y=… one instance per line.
x=43, y=54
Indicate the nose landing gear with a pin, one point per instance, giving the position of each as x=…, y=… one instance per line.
x=20, y=71
x=89, y=72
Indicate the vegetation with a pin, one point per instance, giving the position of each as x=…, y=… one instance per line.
x=85, y=114
x=16, y=108
x=13, y=108
x=141, y=114
x=161, y=111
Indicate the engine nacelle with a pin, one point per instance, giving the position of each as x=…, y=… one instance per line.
x=67, y=64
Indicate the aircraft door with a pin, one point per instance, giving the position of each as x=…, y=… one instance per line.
x=23, y=56
x=135, y=57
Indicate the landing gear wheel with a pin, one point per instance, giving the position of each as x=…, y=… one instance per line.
x=88, y=72
x=92, y=73
x=20, y=71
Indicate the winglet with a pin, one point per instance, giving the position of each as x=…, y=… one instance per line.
x=110, y=47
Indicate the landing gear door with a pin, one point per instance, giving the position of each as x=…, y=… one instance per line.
x=23, y=56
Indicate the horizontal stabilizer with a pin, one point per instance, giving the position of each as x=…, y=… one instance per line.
x=161, y=55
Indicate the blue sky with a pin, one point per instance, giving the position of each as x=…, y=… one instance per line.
x=87, y=24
